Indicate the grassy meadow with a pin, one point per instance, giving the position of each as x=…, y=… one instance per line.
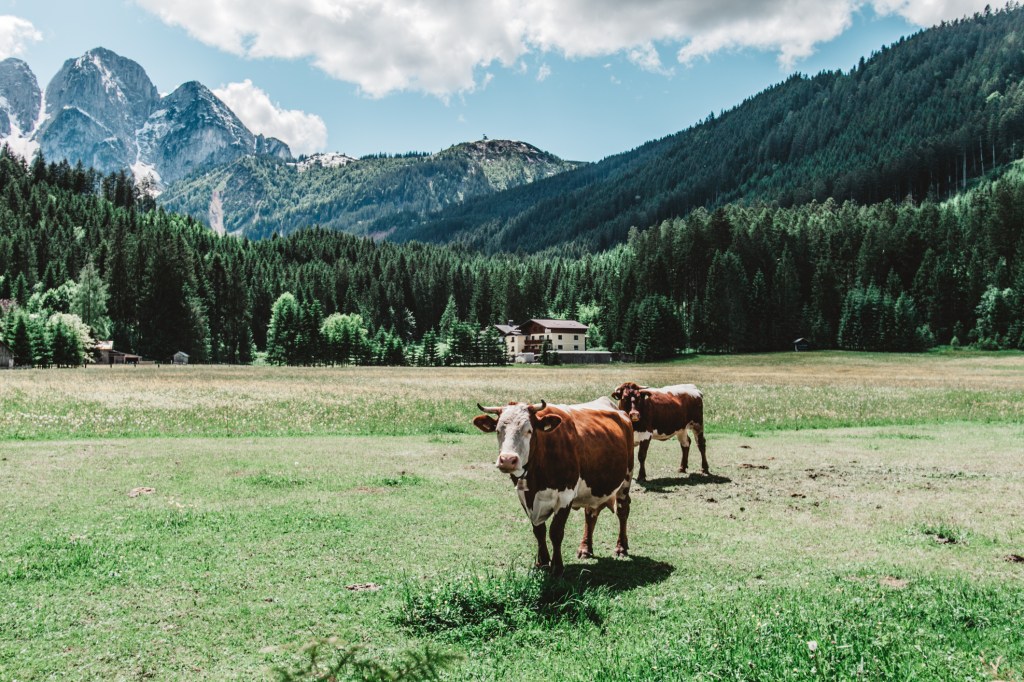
x=864, y=520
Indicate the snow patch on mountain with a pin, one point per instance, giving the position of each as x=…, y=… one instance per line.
x=323, y=160
x=107, y=77
x=21, y=143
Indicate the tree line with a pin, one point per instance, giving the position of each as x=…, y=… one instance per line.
x=84, y=257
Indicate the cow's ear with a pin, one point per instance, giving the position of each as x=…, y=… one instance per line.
x=549, y=423
x=617, y=393
x=485, y=423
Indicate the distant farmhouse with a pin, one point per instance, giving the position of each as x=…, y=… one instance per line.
x=568, y=339
x=104, y=354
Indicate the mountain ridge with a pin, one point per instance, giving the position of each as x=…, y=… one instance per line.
x=918, y=119
x=259, y=196
x=102, y=109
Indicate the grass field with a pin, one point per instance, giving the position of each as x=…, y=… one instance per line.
x=861, y=522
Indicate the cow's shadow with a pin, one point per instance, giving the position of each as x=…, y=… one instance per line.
x=617, y=575
x=661, y=485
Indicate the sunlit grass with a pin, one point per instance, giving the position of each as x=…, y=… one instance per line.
x=203, y=523
x=742, y=394
x=244, y=549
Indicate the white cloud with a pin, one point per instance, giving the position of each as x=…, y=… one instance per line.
x=543, y=72
x=15, y=34
x=304, y=133
x=647, y=58
x=931, y=12
x=443, y=47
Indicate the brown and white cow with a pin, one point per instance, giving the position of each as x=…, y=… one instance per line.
x=562, y=458
x=664, y=413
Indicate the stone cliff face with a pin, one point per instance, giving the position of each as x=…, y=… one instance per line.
x=191, y=129
x=103, y=110
x=20, y=97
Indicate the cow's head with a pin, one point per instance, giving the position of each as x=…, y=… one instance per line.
x=631, y=397
x=516, y=425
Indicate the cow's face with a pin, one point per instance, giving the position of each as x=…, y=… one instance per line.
x=516, y=426
x=631, y=399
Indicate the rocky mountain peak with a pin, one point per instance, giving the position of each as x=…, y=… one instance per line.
x=20, y=96
x=102, y=109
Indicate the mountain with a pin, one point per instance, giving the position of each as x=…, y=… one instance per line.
x=19, y=97
x=918, y=119
x=259, y=196
x=102, y=110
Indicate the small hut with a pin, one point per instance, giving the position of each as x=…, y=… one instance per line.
x=801, y=344
x=180, y=358
x=6, y=356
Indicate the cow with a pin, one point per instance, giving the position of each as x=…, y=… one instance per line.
x=562, y=458
x=663, y=413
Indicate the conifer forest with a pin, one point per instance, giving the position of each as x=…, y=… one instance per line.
x=86, y=257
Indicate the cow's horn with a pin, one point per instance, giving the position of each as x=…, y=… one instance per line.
x=490, y=410
x=534, y=408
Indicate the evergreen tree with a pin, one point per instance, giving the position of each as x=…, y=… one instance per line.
x=20, y=340
x=660, y=333
x=283, y=331
x=65, y=349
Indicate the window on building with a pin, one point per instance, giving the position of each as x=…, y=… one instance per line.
x=559, y=346
x=575, y=337
x=559, y=337
x=575, y=347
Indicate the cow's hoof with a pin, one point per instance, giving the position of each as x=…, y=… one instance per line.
x=706, y=472
x=681, y=470
x=584, y=554
x=621, y=552
x=541, y=567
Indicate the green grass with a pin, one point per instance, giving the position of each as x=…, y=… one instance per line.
x=743, y=394
x=379, y=548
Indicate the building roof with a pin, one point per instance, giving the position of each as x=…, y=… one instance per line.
x=507, y=330
x=571, y=325
x=105, y=345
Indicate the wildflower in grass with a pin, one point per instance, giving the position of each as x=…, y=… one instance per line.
x=812, y=646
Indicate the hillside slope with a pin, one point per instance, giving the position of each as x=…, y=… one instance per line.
x=919, y=118
x=258, y=196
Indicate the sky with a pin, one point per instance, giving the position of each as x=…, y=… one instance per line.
x=582, y=79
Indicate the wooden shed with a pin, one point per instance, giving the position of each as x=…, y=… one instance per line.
x=180, y=358
x=6, y=356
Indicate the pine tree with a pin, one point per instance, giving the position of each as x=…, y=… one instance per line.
x=660, y=333
x=21, y=340
x=283, y=330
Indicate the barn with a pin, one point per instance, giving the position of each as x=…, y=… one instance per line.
x=6, y=356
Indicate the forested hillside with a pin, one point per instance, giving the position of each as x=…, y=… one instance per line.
x=82, y=257
x=257, y=196
x=920, y=119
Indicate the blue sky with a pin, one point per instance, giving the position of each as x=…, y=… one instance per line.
x=582, y=79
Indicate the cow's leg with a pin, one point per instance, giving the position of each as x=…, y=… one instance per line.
x=684, y=442
x=543, y=558
x=642, y=456
x=698, y=429
x=622, y=510
x=557, y=532
x=586, y=549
